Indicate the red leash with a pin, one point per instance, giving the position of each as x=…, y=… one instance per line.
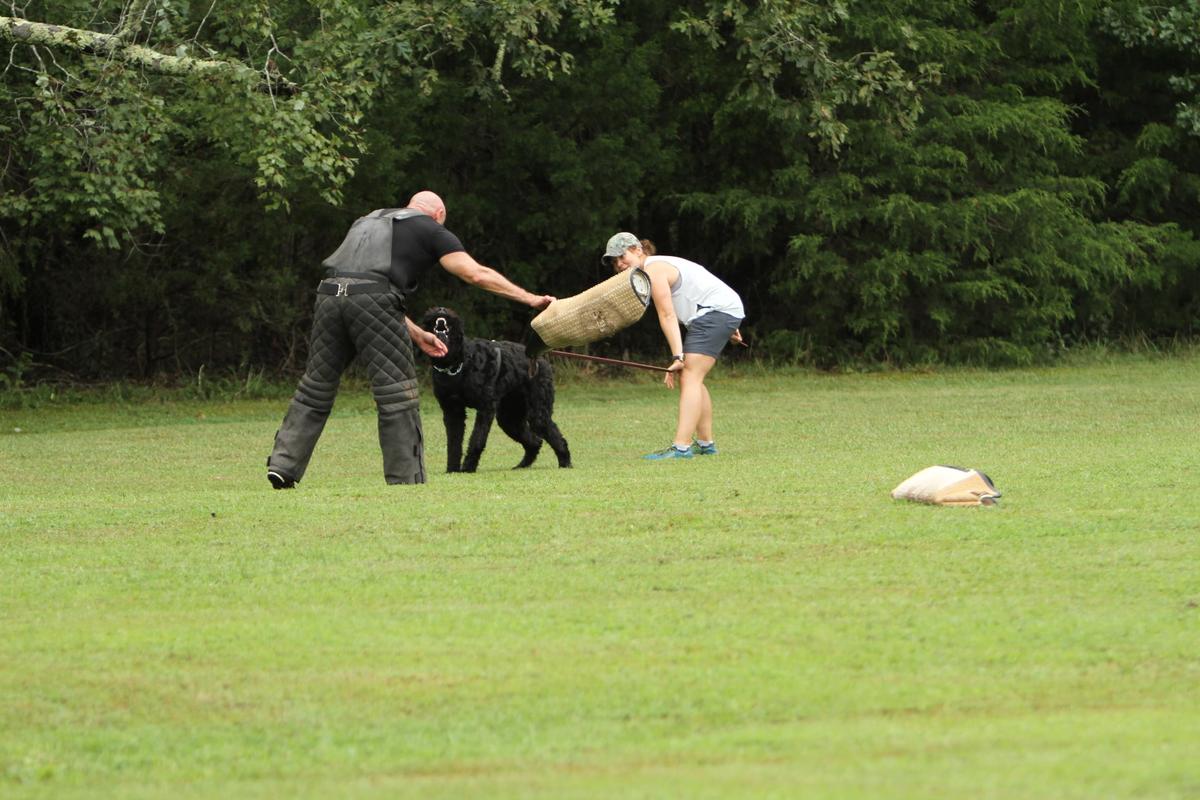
x=613, y=361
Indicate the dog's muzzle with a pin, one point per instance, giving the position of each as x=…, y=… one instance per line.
x=441, y=329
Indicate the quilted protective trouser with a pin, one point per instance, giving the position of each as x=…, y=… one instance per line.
x=370, y=325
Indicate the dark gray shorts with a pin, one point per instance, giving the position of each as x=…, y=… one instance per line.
x=709, y=333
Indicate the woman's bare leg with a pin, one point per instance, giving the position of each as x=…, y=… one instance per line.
x=692, y=396
x=704, y=429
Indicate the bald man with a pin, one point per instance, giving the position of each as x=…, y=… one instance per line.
x=360, y=310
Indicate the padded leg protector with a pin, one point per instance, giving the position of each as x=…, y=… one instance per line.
x=330, y=350
x=400, y=436
x=403, y=444
x=382, y=340
x=296, y=439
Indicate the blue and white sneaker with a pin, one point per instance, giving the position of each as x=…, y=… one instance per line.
x=709, y=449
x=668, y=452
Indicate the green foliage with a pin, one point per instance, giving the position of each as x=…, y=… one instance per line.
x=881, y=180
x=976, y=237
x=1173, y=28
x=1151, y=161
x=13, y=377
x=86, y=157
x=793, y=69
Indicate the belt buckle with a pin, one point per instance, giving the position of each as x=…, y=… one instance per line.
x=341, y=292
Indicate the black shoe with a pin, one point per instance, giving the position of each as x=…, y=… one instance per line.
x=280, y=481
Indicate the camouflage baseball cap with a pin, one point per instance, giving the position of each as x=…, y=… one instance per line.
x=618, y=244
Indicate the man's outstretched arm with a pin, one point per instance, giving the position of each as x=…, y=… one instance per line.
x=466, y=268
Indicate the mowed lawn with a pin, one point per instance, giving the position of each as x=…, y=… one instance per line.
x=763, y=623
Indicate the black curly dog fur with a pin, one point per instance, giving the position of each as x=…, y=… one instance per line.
x=494, y=379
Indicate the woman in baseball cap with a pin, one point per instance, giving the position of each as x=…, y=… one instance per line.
x=684, y=293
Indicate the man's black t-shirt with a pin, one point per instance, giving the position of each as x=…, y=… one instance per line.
x=397, y=242
x=417, y=244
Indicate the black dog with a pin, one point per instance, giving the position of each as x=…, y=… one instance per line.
x=494, y=379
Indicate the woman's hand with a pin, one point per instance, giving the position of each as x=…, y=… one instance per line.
x=737, y=338
x=669, y=378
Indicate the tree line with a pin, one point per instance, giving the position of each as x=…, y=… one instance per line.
x=883, y=181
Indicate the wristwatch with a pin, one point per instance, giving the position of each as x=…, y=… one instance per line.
x=677, y=358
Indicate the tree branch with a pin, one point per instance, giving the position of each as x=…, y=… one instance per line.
x=131, y=20
x=25, y=31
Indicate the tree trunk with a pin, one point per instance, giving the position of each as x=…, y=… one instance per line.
x=119, y=47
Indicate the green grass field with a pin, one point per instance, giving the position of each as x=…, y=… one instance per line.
x=765, y=623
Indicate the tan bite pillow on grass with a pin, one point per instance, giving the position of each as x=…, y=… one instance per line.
x=948, y=486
